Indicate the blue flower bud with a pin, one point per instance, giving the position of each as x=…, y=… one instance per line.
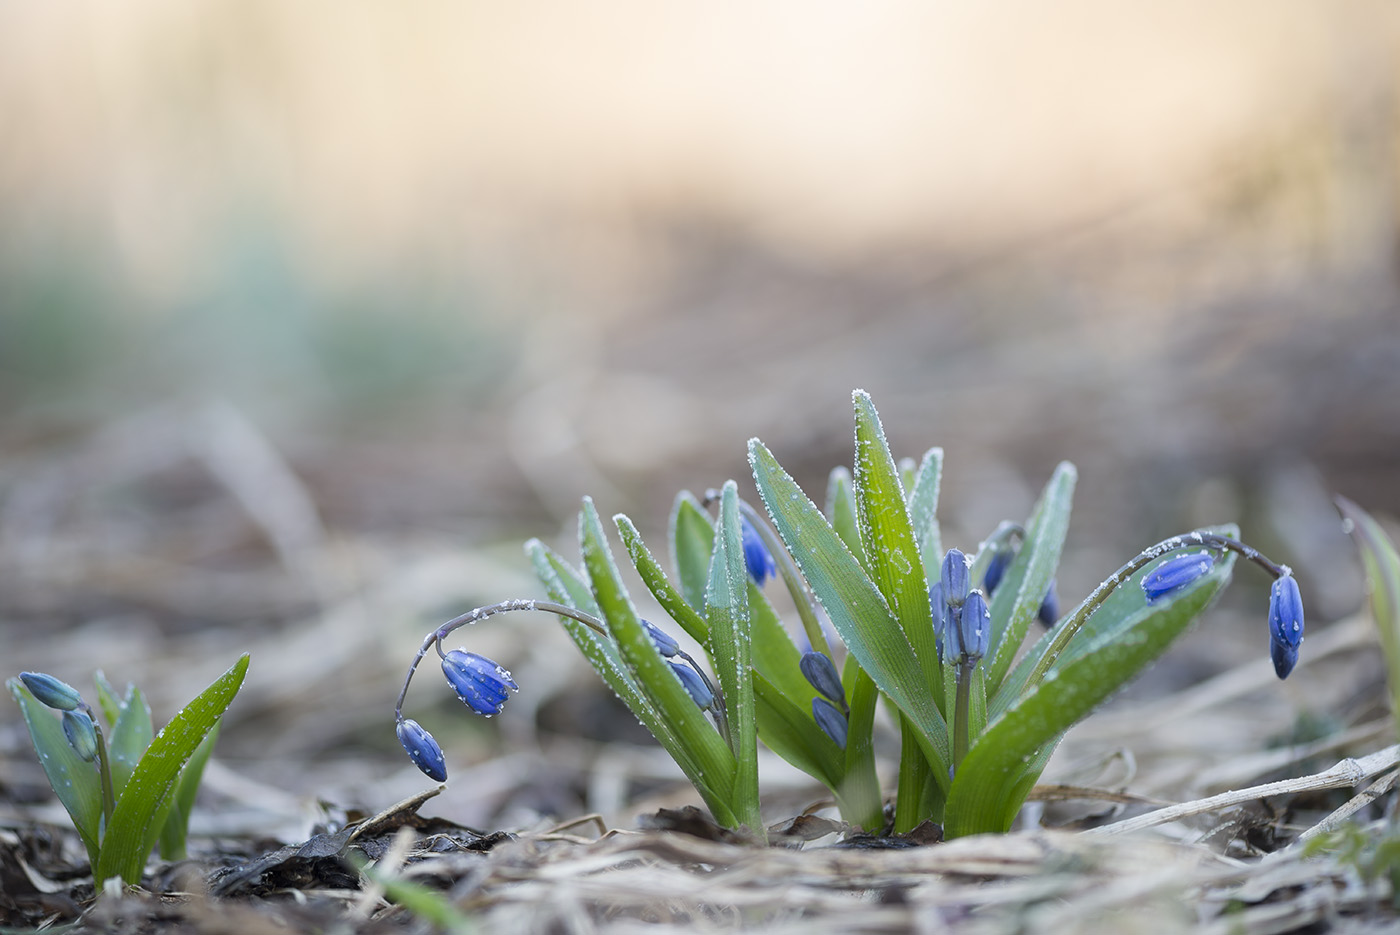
x=51, y=692
x=940, y=616
x=699, y=692
x=1285, y=657
x=1049, y=611
x=996, y=569
x=970, y=633
x=1285, y=624
x=1286, y=612
x=665, y=644
x=422, y=749
x=756, y=556
x=820, y=672
x=1176, y=573
x=480, y=683
x=955, y=579
x=81, y=734
x=830, y=719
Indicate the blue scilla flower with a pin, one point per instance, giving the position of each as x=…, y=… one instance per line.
x=700, y=693
x=422, y=749
x=482, y=685
x=820, y=672
x=971, y=632
x=664, y=642
x=1176, y=573
x=1285, y=624
x=830, y=719
x=51, y=692
x=757, y=558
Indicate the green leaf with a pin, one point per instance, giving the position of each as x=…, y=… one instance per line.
x=74, y=780
x=714, y=776
x=692, y=536
x=841, y=511
x=1382, y=564
x=1022, y=589
x=654, y=577
x=177, y=822
x=990, y=784
x=564, y=584
x=893, y=560
x=141, y=810
x=923, y=510
x=731, y=635
x=108, y=699
x=131, y=735
x=852, y=601
x=790, y=732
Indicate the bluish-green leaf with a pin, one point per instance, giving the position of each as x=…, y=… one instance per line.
x=171, y=844
x=131, y=735
x=692, y=621
x=852, y=601
x=984, y=793
x=841, y=511
x=74, y=780
x=141, y=810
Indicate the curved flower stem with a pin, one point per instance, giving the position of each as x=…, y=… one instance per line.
x=104, y=768
x=962, y=711
x=1066, y=630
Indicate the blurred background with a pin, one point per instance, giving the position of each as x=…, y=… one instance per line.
x=311, y=313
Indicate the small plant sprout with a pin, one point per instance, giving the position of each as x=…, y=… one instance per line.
x=937, y=634
x=127, y=788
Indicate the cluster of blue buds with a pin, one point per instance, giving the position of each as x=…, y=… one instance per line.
x=961, y=615
x=700, y=690
x=78, y=726
x=1285, y=601
x=829, y=708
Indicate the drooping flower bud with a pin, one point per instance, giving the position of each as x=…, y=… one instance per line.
x=757, y=558
x=1285, y=624
x=1049, y=611
x=482, y=685
x=996, y=569
x=1176, y=573
x=820, y=672
x=51, y=692
x=700, y=693
x=955, y=579
x=665, y=644
x=830, y=719
x=422, y=749
x=81, y=734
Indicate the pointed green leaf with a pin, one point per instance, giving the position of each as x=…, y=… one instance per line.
x=790, y=732
x=177, y=822
x=714, y=762
x=692, y=536
x=859, y=793
x=1022, y=589
x=841, y=511
x=1382, y=564
x=74, y=780
x=654, y=577
x=141, y=810
x=984, y=793
x=892, y=554
x=923, y=510
x=731, y=635
x=564, y=584
x=852, y=601
x=131, y=735
x=108, y=699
